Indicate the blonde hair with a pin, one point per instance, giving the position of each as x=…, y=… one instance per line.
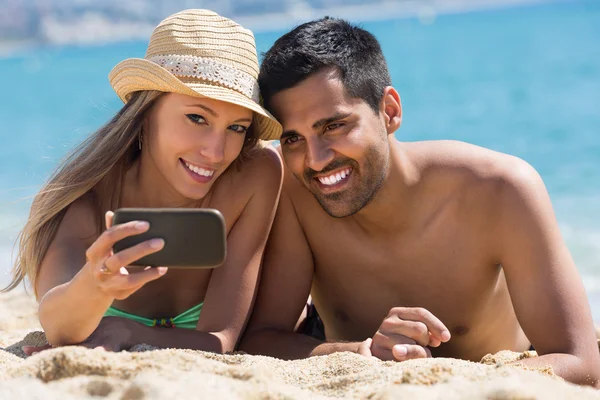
x=97, y=166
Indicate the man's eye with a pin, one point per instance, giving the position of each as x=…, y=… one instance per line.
x=332, y=127
x=291, y=139
x=195, y=118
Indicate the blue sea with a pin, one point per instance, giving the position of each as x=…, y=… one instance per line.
x=524, y=81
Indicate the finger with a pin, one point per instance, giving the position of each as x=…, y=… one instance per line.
x=31, y=350
x=433, y=341
x=364, y=349
x=434, y=325
x=415, y=330
x=103, y=245
x=390, y=340
x=133, y=253
x=95, y=346
x=133, y=281
x=108, y=218
x=403, y=352
x=106, y=347
x=382, y=345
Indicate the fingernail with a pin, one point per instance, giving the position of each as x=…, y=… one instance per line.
x=401, y=350
x=157, y=243
x=142, y=225
x=445, y=336
x=162, y=270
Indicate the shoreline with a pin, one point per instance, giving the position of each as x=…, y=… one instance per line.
x=85, y=30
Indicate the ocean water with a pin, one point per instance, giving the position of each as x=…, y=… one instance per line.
x=524, y=81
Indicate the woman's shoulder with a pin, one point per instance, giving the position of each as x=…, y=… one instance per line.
x=81, y=218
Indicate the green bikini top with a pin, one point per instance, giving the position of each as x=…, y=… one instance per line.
x=187, y=320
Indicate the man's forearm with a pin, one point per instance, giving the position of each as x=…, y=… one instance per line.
x=290, y=345
x=569, y=367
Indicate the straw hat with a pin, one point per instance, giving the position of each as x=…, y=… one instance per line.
x=199, y=53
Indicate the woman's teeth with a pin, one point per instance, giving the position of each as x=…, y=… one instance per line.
x=199, y=171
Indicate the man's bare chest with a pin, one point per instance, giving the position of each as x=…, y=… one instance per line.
x=359, y=279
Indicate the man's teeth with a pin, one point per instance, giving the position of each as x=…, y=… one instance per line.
x=198, y=170
x=334, y=178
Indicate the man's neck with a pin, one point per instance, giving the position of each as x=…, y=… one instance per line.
x=391, y=207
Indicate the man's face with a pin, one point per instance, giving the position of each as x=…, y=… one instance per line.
x=337, y=146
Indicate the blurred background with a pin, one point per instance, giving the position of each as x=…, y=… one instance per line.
x=517, y=76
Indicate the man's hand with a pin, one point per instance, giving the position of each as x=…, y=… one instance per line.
x=405, y=334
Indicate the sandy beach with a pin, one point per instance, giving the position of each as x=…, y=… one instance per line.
x=149, y=373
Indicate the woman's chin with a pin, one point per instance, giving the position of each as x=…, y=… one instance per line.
x=196, y=193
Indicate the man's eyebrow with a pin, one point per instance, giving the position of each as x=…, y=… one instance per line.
x=326, y=121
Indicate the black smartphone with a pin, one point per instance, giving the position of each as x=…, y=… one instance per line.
x=194, y=238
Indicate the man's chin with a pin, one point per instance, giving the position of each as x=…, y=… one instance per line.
x=337, y=208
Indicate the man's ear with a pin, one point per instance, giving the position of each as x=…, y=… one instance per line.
x=391, y=108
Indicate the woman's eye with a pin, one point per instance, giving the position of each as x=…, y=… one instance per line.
x=195, y=118
x=239, y=128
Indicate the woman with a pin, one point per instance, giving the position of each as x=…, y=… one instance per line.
x=186, y=137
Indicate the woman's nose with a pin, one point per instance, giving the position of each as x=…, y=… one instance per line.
x=213, y=147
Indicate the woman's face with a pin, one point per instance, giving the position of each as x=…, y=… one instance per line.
x=191, y=141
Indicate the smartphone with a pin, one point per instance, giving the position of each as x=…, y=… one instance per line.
x=194, y=238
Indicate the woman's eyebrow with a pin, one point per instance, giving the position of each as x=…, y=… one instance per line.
x=214, y=113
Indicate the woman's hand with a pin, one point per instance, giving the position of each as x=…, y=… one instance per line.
x=109, y=269
x=112, y=334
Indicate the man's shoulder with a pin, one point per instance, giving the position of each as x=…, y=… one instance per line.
x=469, y=163
x=473, y=172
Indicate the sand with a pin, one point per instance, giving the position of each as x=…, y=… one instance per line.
x=149, y=373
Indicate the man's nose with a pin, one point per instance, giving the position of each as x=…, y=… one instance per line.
x=319, y=155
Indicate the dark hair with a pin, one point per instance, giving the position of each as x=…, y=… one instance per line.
x=326, y=43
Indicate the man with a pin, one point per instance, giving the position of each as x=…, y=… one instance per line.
x=408, y=249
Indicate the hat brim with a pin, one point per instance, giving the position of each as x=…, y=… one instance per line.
x=137, y=74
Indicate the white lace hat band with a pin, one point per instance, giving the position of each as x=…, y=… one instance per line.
x=207, y=69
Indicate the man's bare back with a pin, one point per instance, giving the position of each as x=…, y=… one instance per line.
x=440, y=258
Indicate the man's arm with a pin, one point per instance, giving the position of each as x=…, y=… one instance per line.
x=545, y=287
x=286, y=280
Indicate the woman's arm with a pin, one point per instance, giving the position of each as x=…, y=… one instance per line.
x=63, y=283
x=232, y=287
x=73, y=299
